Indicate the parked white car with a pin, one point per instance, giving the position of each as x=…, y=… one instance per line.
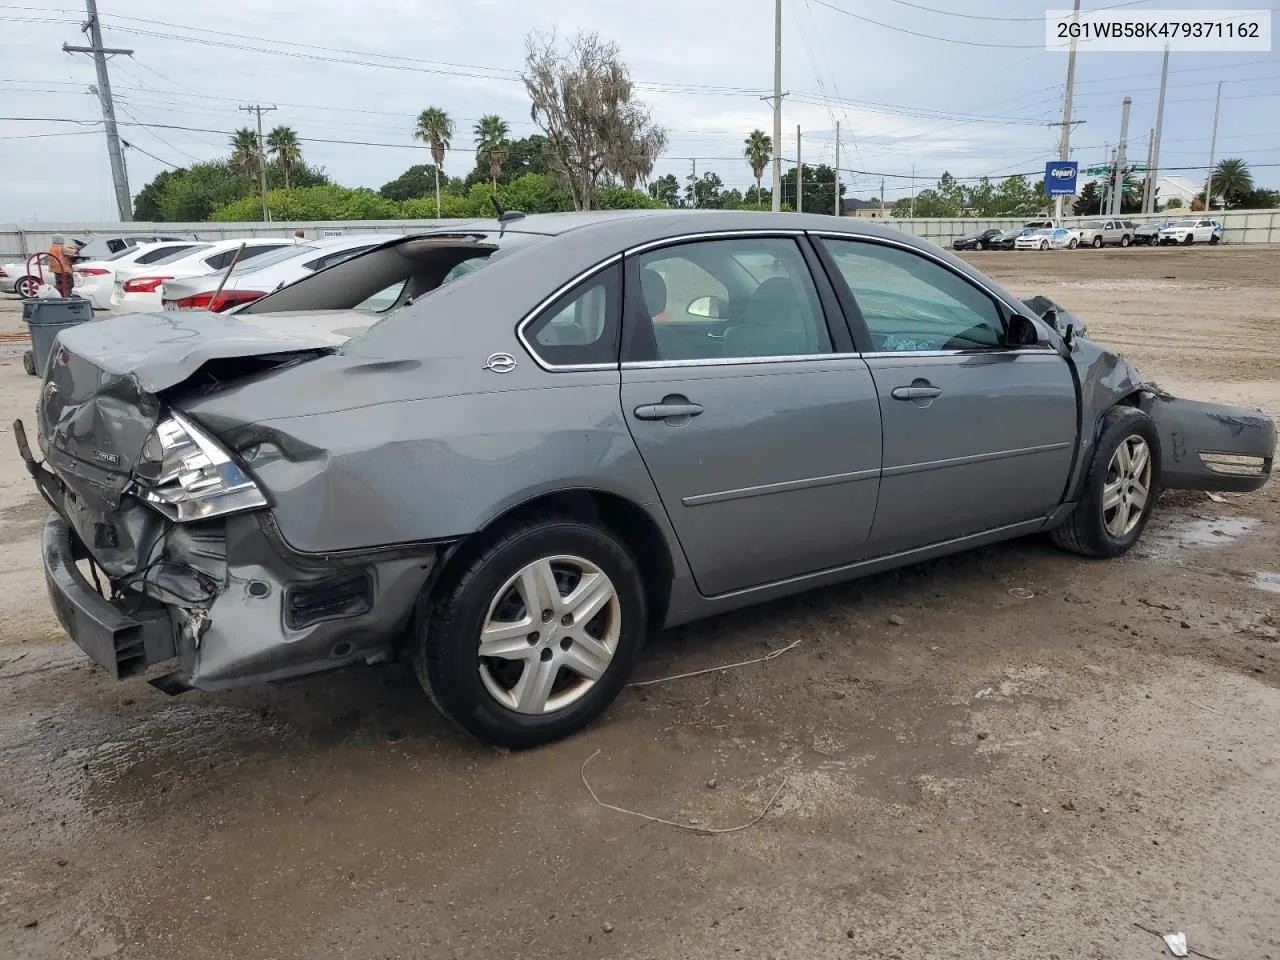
x=14, y=278
x=137, y=288
x=1044, y=238
x=95, y=279
x=262, y=275
x=1203, y=230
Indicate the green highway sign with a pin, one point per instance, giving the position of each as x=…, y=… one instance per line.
x=1097, y=171
x=1127, y=188
x=1139, y=168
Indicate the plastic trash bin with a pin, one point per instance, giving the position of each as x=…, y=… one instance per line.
x=44, y=319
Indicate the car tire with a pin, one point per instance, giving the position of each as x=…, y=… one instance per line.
x=1097, y=243
x=509, y=698
x=1075, y=242
x=1214, y=240
x=1095, y=529
x=978, y=245
x=1044, y=244
x=1188, y=240
x=1124, y=240
x=26, y=287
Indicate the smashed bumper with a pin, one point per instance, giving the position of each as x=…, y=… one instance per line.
x=1211, y=446
x=232, y=608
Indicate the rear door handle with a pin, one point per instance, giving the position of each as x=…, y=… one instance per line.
x=916, y=393
x=667, y=410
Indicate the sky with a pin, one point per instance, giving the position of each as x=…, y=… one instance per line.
x=964, y=86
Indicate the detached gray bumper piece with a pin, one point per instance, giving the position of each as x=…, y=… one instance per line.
x=1211, y=446
x=120, y=643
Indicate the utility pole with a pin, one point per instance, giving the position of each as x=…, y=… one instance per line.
x=1110, y=187
x=693, y=183
x=1117, y=193
x=1213, y=144
x=1147, y=184
x=1153, y=179
x=119, y=176
x=838, y=211
x=1064, y=144
x=777, y=106
x=799, y=175
x=259, y=109
x=913, y=191
x=882, y=198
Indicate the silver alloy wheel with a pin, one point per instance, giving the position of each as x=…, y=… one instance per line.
x=1127, y=487
x=549, y=635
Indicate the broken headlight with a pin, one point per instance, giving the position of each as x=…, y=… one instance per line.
x=186, y=475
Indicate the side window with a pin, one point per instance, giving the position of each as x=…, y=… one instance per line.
x=582, y=325
x=739, y=299
x=151, y=256
x=910, y=303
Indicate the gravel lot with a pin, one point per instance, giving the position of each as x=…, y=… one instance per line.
x=964, y=769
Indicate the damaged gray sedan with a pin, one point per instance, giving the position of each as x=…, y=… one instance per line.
x=562, y=432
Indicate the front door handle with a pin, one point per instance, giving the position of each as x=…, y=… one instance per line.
x=916, y=392
x=667, y=410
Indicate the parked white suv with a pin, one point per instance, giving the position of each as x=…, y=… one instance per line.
x=1099, y=233
x=1203, y=230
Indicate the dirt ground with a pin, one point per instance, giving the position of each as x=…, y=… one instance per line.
x=1012, y=753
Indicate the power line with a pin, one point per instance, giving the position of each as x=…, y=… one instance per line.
x=978, y=16
x=926, y=36
x=134, y=146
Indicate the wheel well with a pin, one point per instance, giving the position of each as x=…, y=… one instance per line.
x=629, y=522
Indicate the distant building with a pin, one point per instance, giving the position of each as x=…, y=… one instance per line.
x=1172, y=186
x=867, y=209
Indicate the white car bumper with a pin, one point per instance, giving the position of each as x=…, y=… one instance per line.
x=122, y=302
x=97, y=289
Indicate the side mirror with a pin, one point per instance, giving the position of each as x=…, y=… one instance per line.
x=1022, y=332
x=712, y=308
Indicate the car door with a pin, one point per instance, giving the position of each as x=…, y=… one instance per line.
x=978, y=435
x=758, y=424
x=1204, y=231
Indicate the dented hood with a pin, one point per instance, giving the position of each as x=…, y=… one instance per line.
x=161, y=350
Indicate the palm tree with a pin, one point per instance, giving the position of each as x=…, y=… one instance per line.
x=1229, y=177
x=492, y=144
x=435, y=129
x=283, y=144
x=244, y=151
x=759, y=151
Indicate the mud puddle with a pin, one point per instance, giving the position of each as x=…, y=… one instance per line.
x=1170, y=540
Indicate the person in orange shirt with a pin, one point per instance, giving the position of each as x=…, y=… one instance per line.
x=60, y=264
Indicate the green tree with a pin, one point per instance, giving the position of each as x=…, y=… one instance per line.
x=928, y=203
x=285, y=150
x=1231, y=181
x=244, y=151
x=491, y=145
x=666, y=190
x=1086, y=204
x=435, y=129
x=146, y=205
x=819, y=188
x=984, y=200
x=1018, y=198
x=704, y=193
x=1259, y=199
x=417, y=181
x=758, y=149
x=952, y=193
x=193, y=194
x=1173, y=203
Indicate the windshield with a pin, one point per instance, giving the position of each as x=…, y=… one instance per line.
x=1184, y=223
x=1043, y=231
x=1094, y=225
x=272, y=258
